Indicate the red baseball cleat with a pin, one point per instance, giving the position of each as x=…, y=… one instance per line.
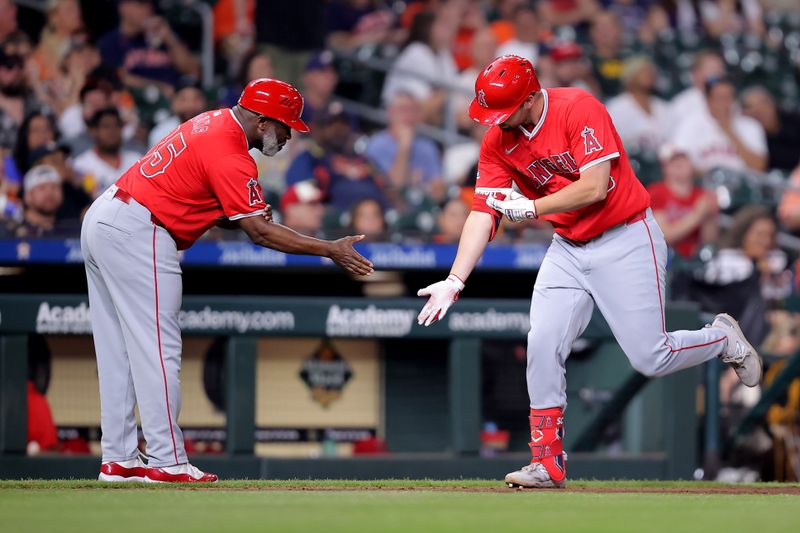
x=185, y=473
x=123, y=471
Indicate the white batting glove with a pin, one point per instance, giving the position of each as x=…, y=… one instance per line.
x=442, y=294
x=515, y=207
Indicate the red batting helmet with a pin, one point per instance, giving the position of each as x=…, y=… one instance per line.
x=501, y=88
x=274, y=99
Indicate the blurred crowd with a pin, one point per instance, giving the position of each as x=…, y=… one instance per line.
x=699, y=90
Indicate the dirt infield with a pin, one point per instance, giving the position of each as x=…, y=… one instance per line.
x=793, y=490
x=455, y=486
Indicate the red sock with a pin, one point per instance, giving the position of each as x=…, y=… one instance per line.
x=547, y=436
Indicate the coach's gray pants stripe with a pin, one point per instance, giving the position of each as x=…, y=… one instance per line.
x=623, y=272
x=132, y=270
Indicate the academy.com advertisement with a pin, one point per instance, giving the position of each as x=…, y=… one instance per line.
x=76, y=320
x=354, y=318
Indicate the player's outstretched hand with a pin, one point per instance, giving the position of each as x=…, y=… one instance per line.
x=343, y=254
x=515, y=207
x=442, y=295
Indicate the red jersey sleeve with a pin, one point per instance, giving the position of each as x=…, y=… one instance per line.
x=592, y=136
x=493, y=177
x=233, y=180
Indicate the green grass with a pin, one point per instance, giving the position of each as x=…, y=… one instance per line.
x=84, y=506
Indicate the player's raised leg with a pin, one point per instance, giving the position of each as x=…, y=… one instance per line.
x=560, y=311
x=630, y=292
x=119, y=441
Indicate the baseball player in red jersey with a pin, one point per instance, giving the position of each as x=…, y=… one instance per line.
x=559, y=148
x=198, y=176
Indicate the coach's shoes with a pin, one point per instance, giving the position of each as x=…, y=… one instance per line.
x=532, y=476
x=739, y=353
x=123, y=471
x=184, y=473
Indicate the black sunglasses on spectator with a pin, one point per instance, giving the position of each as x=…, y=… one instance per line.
x=11, y=61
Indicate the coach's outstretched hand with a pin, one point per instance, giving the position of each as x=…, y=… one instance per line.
x=442, y=294
x=343, y=254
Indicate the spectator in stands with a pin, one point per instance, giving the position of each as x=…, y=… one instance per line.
x=42, y=200
x=687, y=214
x=36, y=130
x=569, y=12
x=62, y=93
x=608, y=56
x=502, y=25
x=731, y=17
x=234, y=32
x=350, y=24
x=319, y=81
x=749, y=249
x=452, y=216
x=566, y=66
x=16, y=98
x=655, y=24
x=425, y=63
x=100, y=166
x=146, y=50
x=75, y=199
x=330, y=172
x=631, y=14
x=706, y=65
x=473, y=20
x=188, y=101
x=367, y=218
x=782, y=128
x=255, y=65
x=94, y=96
x=789, y=207
x=722, y=137
x=525, y=42
x=10, y=209
x=641, y=118
x=408, y=159
x=484, y=50
x=64, y=20
x=8, y=19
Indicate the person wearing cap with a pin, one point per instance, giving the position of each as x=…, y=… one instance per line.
x=553, y=153
x=570, y=68
x=720, y=136
x=319, y=81
x=686, y=213
x=42, y=199
x=199, y=176
x=330, y=172
x=76, y=200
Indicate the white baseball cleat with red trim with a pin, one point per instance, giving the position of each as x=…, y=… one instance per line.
x=123, y=471
x=184, y=473
x=533, y=476
x=739, y=353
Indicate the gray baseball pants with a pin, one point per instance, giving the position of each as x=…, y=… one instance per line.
x=134, y=296
x=623, y=273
